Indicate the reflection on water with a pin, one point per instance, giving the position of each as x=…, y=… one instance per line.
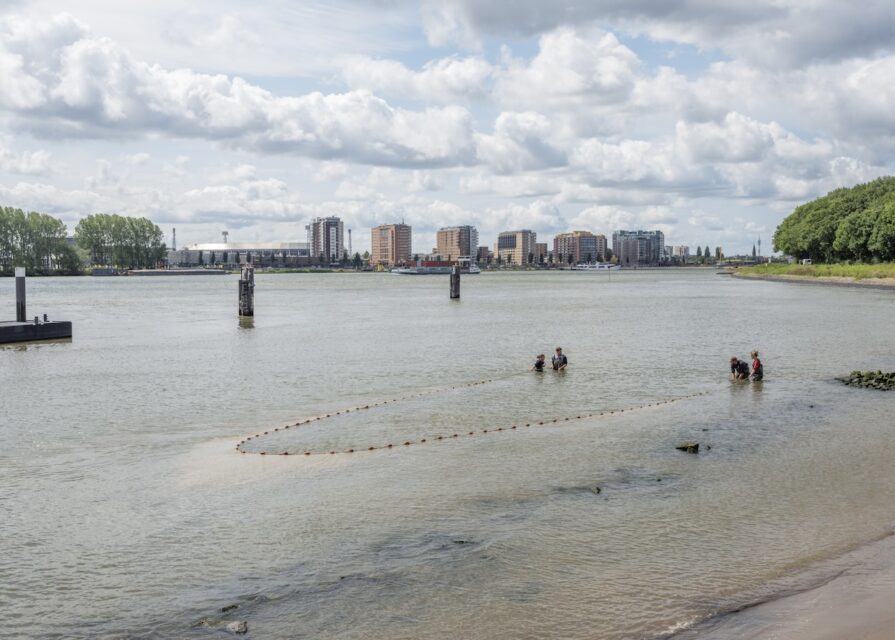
x=24, y=346
x=128, y=512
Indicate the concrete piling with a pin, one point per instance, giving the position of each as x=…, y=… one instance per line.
x=21, y=315
x=247, y=289
x=455, y=282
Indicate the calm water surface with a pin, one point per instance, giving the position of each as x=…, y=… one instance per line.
x=127, y=512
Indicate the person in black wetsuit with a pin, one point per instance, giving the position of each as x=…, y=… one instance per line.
x=739, y=369
x=560, y=361
x=539, y=363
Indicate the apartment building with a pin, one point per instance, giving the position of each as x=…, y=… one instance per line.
x=513, y=247
x=391, y=244
x=454, y=242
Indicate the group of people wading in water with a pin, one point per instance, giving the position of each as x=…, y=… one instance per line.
x=739, y=369
x=559, y=361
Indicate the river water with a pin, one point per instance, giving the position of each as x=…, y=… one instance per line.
x=128, y=512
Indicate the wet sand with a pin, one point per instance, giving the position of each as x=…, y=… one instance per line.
x=867, y=283
x=857, y=604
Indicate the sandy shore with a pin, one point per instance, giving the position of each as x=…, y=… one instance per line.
x=870, y=283
x=857, y=604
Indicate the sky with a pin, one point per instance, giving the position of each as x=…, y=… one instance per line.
x=710, y=120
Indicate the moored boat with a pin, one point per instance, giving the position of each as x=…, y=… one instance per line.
x=599, y=266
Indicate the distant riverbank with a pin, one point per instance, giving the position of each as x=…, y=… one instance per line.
x=856, y=275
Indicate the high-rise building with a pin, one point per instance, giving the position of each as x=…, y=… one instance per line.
x=326, y=238
x=540, y=251
x=680, y=251
x=513, y=247
x=391, y=244
x=454, y=242
x=583, y=246
x=482, y=254
x=638, y=248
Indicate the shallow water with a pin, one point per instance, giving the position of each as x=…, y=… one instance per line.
x=128, y=512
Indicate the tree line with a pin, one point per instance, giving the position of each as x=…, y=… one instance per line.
x=120, y=241
x=40, y=242
x=849, y=224
x=36, y=241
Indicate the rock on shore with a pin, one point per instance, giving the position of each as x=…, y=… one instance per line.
x=870, y=380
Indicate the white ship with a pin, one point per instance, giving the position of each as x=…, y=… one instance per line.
x=599, y=266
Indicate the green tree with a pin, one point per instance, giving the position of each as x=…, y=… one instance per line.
x=121, y=241
x=882, y=241
x=531, y=257
x=35, y=241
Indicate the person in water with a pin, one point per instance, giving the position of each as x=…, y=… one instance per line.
x=757, y=368
x=739, y=370
x=560, y=361
x=540, y=361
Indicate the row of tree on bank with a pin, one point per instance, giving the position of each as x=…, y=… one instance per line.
x=120, y=241
x=35, y=241
x=850, y=224
x=40, y=242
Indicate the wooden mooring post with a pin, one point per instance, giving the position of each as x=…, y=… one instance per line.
x=247, y=289
x=20, y=295
x=455, y=282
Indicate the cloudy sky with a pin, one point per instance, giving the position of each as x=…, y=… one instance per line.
x=707, y=119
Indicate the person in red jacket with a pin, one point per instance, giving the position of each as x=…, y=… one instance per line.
x=757, y=368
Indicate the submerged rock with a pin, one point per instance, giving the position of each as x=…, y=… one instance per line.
x=688, y=447
x=238, y=626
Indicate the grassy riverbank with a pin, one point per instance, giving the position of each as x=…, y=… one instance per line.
x=882, y=271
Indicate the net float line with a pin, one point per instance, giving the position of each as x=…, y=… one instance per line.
x=441, y=438
x=365, y=407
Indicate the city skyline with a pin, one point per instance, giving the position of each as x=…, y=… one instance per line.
x=709, y=123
